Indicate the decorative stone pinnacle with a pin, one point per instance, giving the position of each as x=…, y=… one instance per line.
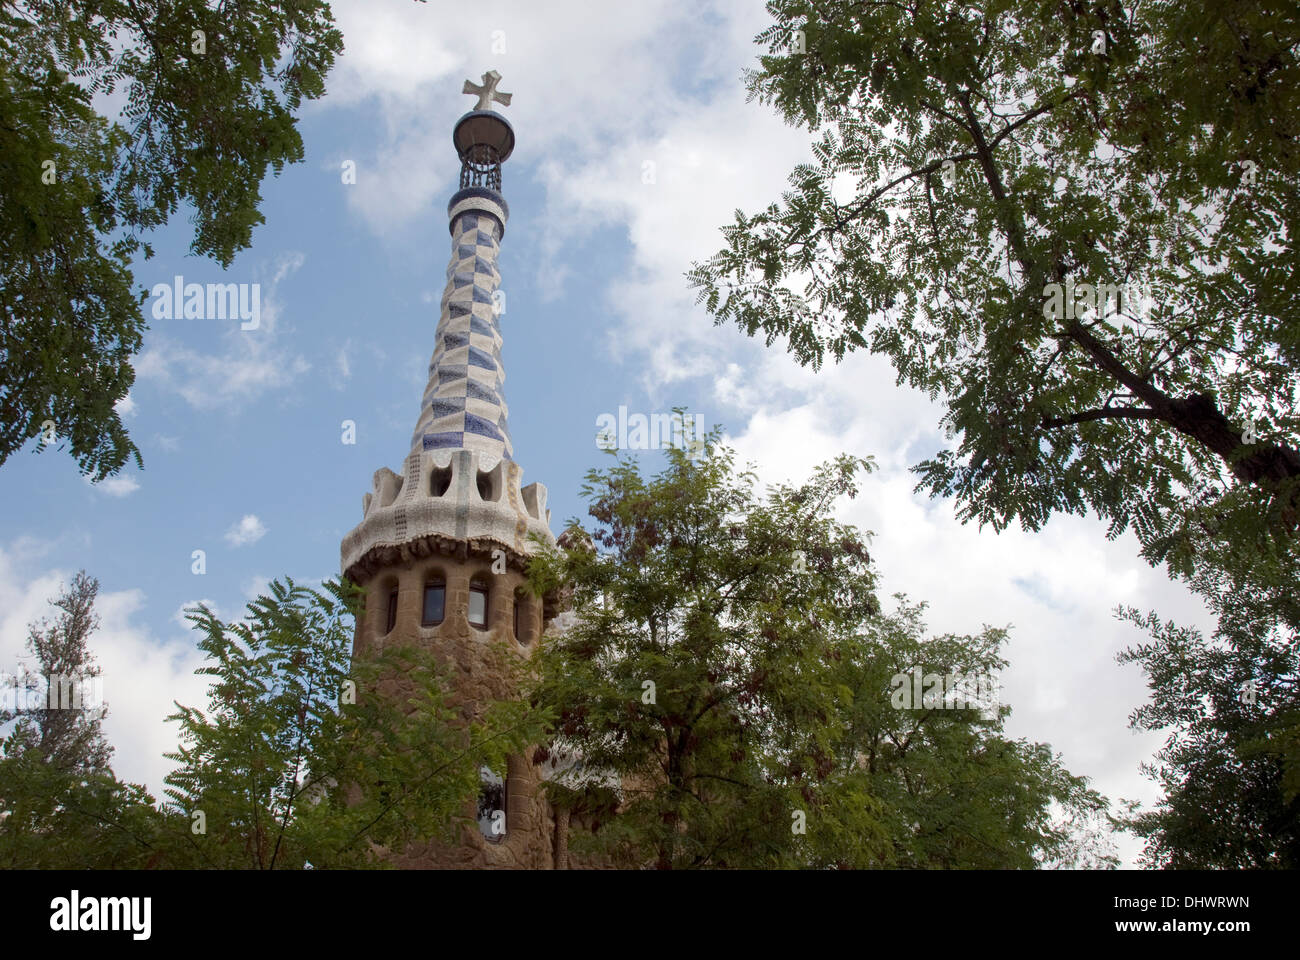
x=487, y=91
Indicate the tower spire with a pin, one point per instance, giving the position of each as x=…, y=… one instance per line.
x=442, y=548
x=460, y=481
x=464, y=405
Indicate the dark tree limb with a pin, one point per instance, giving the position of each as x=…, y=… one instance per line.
x=1104, y=413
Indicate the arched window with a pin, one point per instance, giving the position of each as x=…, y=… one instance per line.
x=439, y=481
x=435, y=602
x=485, y=487
x=478, y=603
x=522, y=624
x=392, y=609
x=492, y=805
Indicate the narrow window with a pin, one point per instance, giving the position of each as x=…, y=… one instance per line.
x=491, y=804
x=478, y=603
x=485, y=486
x=392, y=611
x=435, y=596
x=523, y=625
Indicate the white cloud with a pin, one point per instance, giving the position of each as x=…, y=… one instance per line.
x=248, y=530
x=31, y=548
x=181, y=614
x=250, y=363
x=126, y=407
x=710, y=158
x=121, y=485
x=256, y=586
x=393, y=50
x=582, y=76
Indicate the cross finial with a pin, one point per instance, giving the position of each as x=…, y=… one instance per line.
x=487, y=91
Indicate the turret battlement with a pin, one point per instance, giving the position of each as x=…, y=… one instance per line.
x=444, y=497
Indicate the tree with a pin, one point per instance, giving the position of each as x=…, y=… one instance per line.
x=959, y=793
x=1230, y=769
x=56, y=710
x=301, y=758
x=211, y=94
x=61, y=807
x=723, y=691
x=1074, y=223
x=58, y=819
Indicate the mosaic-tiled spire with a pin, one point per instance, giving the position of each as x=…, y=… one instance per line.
x=460, y=489
x=464, y=405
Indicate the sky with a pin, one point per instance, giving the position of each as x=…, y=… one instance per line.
x=634, y=146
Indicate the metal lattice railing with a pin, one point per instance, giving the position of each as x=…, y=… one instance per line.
x=481, y=173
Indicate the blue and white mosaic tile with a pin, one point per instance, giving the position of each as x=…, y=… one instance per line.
x=464, y=405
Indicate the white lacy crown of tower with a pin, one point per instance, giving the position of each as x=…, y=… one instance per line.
x=460, y=485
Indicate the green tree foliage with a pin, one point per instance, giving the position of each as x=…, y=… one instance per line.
x=210, y=97
x=972, y=155
x=58, y=819
x=723, y=691
x=958, y=792
x=60, y=715
x=60, y=805
x=286, y=771
x=299, y=758
x=1230, y=768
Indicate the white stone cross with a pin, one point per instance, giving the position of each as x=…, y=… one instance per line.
x=487, y=92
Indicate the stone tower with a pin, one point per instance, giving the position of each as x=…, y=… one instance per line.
x=441, y=547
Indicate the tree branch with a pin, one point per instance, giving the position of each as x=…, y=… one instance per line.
x=1104, y=413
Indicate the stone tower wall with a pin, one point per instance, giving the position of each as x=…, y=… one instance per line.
x=471, y=656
